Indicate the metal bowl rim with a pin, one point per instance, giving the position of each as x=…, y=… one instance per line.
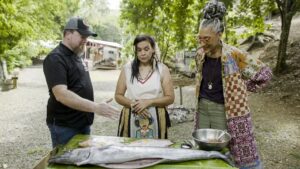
x=226, y=133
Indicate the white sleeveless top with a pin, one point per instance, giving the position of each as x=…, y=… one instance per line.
x=141, y=127
x=149, y=89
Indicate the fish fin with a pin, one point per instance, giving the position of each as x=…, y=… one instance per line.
x=82, y=162
x=86, y=161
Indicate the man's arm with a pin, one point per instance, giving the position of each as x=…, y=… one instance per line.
x=72, y=100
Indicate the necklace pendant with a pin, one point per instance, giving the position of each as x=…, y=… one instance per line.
x=210, y=85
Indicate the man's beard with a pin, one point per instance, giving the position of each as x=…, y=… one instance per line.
x=80, y=50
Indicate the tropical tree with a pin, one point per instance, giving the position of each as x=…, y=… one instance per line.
x=288, y=9
x=24, y=22
x=169, y=21
x=246, y=19
x=93, y=10
x=175, y=23
x=108, y=32
x=103, y=21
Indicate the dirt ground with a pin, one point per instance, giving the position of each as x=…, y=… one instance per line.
x=25, y=139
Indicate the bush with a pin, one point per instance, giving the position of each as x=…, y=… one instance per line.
x=21, y=55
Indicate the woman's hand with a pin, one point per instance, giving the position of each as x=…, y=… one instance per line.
x=140, y=105
x=145, y=113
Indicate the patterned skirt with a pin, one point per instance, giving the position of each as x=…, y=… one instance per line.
x=155, y=126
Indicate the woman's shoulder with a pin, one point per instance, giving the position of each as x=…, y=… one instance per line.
x=162, y=66
x=163, y=70
x=126, y=68
x=128, y=64
x=230, y=50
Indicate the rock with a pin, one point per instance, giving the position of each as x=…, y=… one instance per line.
x=179, y=114
x=4, y=166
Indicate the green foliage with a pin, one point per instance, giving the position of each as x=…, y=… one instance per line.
x=25, y=21
x=175, y=23
x=93, y=10
x=103, y=21
x=170, y=22
x=18, y=55
x=108, y=32
x=11, y=27
x=246, y=18
x=192, y=65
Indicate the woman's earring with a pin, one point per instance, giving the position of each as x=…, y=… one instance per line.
x=220, y=42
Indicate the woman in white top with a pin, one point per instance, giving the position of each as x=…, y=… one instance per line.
x=144, y=89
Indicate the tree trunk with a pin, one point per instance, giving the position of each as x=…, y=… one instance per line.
x=286, y=18
x=1, y=72
x=287, y=10
x=281, y=57
x=165, y=53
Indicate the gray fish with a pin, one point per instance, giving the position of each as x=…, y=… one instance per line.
x=121, y=154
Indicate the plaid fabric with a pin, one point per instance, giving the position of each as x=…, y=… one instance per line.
x=235, y=96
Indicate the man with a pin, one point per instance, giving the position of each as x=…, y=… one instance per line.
x=71, y=104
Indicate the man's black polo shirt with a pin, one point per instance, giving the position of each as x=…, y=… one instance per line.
x=62, y=66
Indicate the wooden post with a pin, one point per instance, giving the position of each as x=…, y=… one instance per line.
x=180, y=92
x=14, y=79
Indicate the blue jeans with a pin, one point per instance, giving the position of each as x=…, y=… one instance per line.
x=60, y=135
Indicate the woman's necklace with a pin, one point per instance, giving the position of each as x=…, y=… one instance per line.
x=145, y=75
x=210, y=85
x=210, y=81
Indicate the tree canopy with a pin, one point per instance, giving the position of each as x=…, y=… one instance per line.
x=23, y=22
x=26, y=23
x=175, y=23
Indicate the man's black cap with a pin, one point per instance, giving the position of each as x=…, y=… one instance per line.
x=78, y=24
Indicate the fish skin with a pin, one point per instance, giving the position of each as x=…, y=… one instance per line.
x=120, y=154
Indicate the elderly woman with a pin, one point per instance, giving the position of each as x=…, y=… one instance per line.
x=224, y=74
x=149, y=89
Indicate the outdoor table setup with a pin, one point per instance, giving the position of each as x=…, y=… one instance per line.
x=95, y=152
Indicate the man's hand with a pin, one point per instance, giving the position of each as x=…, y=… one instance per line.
x=106, y=110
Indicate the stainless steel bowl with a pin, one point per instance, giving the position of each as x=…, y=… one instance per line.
x=208, y=139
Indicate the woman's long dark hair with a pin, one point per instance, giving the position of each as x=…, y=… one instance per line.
x=136, y=63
